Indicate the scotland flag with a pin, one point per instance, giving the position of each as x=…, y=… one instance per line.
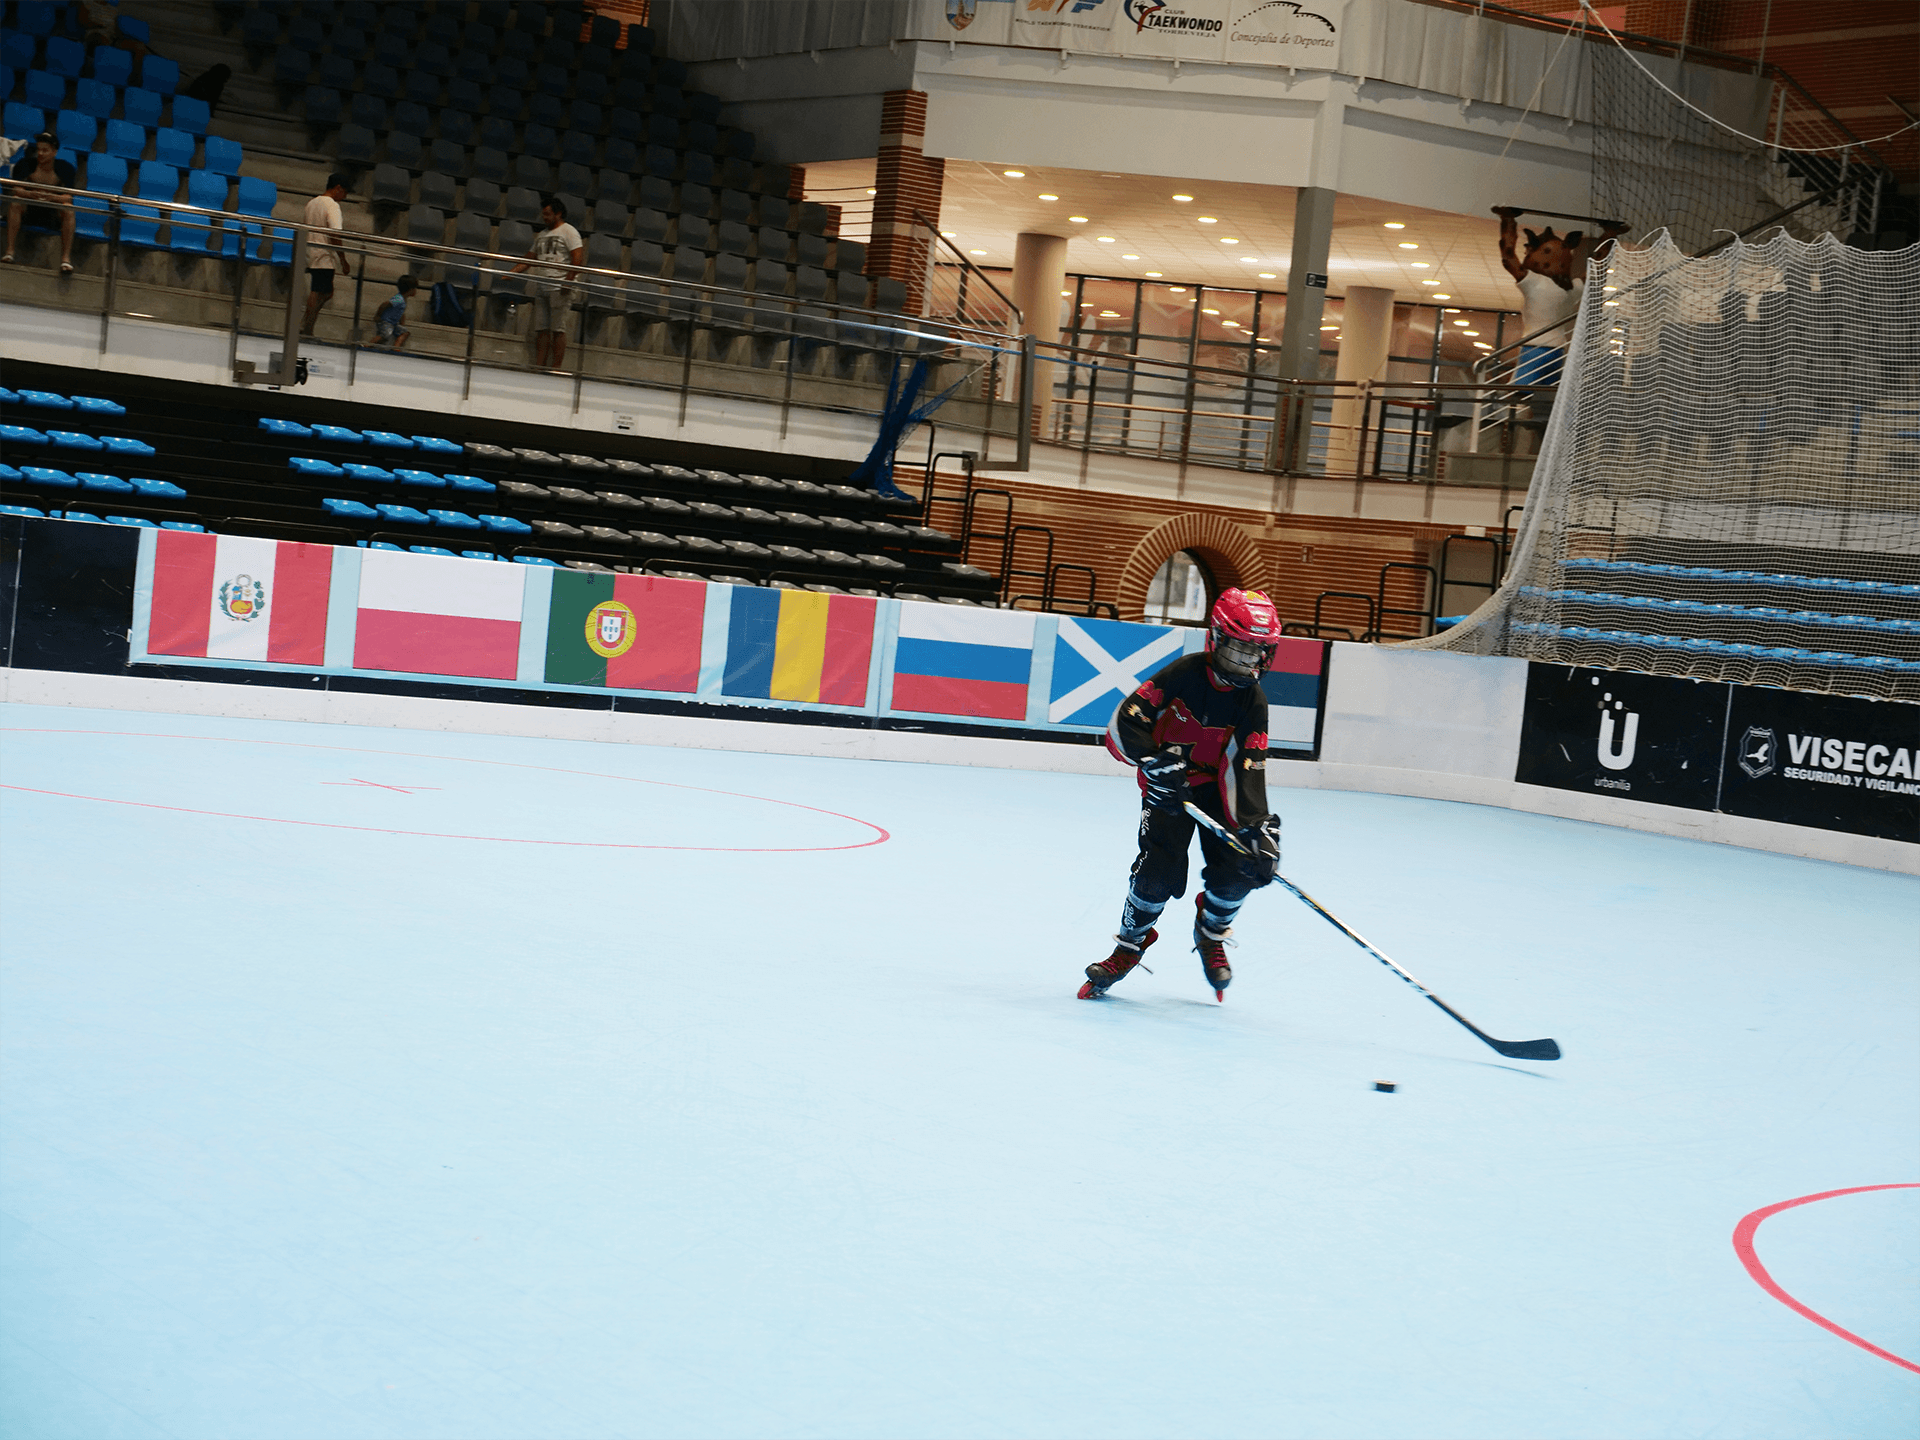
x=1097, y=663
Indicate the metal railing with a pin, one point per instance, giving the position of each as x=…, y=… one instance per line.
x=783, y=336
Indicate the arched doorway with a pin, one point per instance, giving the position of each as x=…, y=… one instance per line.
x=1181, y=591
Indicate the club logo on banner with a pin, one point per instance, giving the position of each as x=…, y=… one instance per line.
x=1098, y=663
x=243, y=598
x=610, y=630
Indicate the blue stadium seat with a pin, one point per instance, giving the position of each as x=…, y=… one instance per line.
x=21, y=435
x=93, y=405
x=132, y=520
x=183, y=525
x=134, y=29
x=173, y=147
x=464, y=554
x=304, y=465
x=111, y=484
x=159, y=75
x=350, y=510
x=454, y=520
x=25, y=512
x=126, y=141
x=431, y=550
x=506, y=525
x=339, y=434
x=73, y=515
x=402, y=515
x=21, y=122
x=75, y=131
x=47, y=478
x=95, y=97
x=536, y=560
x=387, y=440
x=473, y=484
x=121, y=445
x=73, y=440
x=38, y=17
x=45, y=399
x=191, y=115
x=18, y=50
x=377, y=544
x=64, y=57
x=156, y=489
x=44, y=90
x=113, y=66
x=424, y=478
x=284, y=427
x=373, y=474
x=256, y=197
x=435, y=445
x=140, y=107
x=9, y=397
x=192, y=236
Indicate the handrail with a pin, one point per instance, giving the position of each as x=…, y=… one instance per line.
x=966, y=263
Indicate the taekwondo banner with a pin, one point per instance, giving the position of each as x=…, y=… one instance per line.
x=1300, y=33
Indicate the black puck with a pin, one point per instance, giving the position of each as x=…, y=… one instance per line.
x=1385, y=1087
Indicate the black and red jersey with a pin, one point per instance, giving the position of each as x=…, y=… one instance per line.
x=1221, y=731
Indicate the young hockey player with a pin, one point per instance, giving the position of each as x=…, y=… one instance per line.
x=1198, y=731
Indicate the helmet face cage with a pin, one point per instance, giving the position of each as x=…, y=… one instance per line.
x=1241, y=636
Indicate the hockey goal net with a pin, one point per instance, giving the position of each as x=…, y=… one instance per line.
x=1729, y=483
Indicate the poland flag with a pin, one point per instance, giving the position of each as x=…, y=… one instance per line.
x=232, y=597
x=429, y=615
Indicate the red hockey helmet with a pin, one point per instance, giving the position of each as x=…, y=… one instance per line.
x=1242, y=634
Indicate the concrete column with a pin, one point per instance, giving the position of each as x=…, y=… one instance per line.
x=1306, y=300
x=1039, y=275
x=905, y=181
x=1366, y=336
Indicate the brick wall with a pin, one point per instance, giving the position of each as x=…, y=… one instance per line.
x=905, y=181
x=1125, y=538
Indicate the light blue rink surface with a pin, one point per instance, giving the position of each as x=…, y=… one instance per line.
x=328, y=1133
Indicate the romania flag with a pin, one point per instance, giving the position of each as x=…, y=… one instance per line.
x=796, y=645
x=626, y=632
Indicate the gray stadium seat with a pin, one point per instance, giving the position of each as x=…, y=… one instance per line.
x=447, y=157
x=437, y=190
x=482, y=198
x=523, y=204
x=609, y=218
x=490, y=165
x=392, y=185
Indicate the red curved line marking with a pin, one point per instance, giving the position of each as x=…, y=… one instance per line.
x=880, y=834
x=1743, y=1247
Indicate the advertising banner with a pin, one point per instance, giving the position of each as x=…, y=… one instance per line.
x=1832, y=761
x=1640, y=737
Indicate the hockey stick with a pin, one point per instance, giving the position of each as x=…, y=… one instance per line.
x=1512, y=1049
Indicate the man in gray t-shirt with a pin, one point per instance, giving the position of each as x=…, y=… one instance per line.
x=557, y=249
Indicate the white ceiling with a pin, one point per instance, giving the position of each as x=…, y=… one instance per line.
x=985, y=209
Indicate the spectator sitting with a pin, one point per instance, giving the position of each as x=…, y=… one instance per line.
x=552, y=293
x=45, y=209
x=387, y=326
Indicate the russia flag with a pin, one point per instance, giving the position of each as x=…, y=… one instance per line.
x=955, y=660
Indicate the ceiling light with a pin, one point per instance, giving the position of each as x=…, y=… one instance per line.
x=1182, y=199
x=1205, y=311
x=1409, y=245
x=1249, y=259
x=1470, y=332
x=1066, y=294
x=1155, y=274
x=1014, y=174
x=1268, y=275
x=1049, y=197
x=1104, y=239
x=1086, y=304
x=1078, y=219
x=1209, y=219
x=1176, y=289
x=873, y=192
x=1228, y=240
x=1395, y=224
x=1325, y=328
x=1111, y=314
x=1438, y=296
x=1463, y=322
x=1419, y=265
x=976, y=252
x=950, y=234
x=1481, y=345
x=1429, y=282
x=1129, y=257
x=1448, y=309
x=1230, y=324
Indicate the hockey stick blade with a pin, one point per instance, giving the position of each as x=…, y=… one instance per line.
x=1512, y=1049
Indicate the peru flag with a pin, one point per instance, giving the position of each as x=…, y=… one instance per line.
x=429, y=615
x=231, y=597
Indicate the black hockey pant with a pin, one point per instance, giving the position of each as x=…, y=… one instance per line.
x=1160, y=869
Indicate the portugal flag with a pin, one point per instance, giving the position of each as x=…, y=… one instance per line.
x=626, y=632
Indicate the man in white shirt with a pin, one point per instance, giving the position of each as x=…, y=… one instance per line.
x=325, y=252
x=558, y=248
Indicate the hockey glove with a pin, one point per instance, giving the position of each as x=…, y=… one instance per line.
x=1164, y=776
x=1262, y=838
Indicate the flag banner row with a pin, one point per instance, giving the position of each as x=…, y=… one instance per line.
x=235, y=601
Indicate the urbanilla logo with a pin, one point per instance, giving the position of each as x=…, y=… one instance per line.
x=1759, y=751
x=1617, y=754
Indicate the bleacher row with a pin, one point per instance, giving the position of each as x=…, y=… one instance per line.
x=622, y=514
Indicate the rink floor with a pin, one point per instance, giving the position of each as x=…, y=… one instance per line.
x=381, y=1083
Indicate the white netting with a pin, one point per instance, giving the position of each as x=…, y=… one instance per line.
x=1729, y=485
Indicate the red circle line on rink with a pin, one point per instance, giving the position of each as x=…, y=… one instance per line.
x=1743, y=1247
x=880, y=835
